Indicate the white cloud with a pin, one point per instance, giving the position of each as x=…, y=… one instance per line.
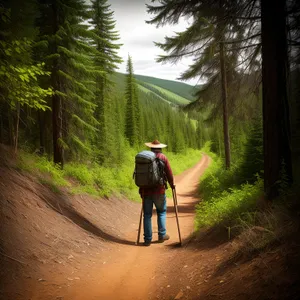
x=138, y=39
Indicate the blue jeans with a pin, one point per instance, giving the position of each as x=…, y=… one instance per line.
x=161, y=209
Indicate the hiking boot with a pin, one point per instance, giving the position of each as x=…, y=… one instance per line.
x=163, y=238
x=147, y=243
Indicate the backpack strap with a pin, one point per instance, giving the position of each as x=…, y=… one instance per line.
x=161, y=167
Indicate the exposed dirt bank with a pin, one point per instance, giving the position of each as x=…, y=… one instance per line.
x=58, y=246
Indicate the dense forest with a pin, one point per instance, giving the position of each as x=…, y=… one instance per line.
x=71, y=121
x=58, y=90
x=62, y=98
x=248, y=53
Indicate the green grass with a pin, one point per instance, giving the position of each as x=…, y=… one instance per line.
x=43, y=168
x=227, y=207
x=222, y=200
x=54, y=188
x=97, y=180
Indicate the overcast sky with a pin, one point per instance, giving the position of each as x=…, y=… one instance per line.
x=137, y=38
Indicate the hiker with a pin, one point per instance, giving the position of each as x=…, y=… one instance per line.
x=156, y=196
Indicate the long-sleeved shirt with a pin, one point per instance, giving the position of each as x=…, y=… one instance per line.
x=160, y=189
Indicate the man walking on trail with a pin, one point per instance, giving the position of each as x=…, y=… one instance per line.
x=156, y=196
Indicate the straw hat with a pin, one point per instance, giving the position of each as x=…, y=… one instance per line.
x=155, y=144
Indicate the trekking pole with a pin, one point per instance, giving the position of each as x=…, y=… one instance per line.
x=140, y=224
x=176, y=212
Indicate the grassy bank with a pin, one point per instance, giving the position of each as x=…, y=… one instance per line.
x=95, y=179
x=224, y=201
x=239, y=207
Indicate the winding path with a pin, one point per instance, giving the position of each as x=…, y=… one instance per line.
x=131, y=272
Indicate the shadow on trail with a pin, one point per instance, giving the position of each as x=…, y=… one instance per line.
x=61, y=204
x=205, y=239
x=192, y=193
x=273, y=250
x=209, y=238
x=183, y=208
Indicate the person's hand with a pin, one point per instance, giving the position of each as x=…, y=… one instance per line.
x=172, y=186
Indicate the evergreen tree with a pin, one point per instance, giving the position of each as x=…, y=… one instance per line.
x=200, y=135
x=253, y=163
x=179, y=144
x=132, y=126
x=106, y=59
x=214, y=25
x=68, y=59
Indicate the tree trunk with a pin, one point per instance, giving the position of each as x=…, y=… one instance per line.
x=57, y=121
x=224, y=91
x=41, y=118
x=220, y=143
x=100, y=138
x=1, y=129
x=17, y=122
x=276, y=128
x=57, y=125
x=10, y=127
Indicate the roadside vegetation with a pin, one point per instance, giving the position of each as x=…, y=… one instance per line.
x=249, y=118
x=224, y=198
x=234, y=201
x=95, y=179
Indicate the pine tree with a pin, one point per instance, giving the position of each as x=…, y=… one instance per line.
x=132, y=107
x=253, y=163
x=213, y=26
x=68, y=57
x=166, y=123
x=106, y=59
x=200, y=136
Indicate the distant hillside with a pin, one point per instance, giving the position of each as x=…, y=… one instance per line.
x=165, y=94
x=182, y=89
x=119, y=80
x=173, y=92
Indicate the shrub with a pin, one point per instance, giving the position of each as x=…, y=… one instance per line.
x=79, y=172
x=223, y=197
x=99, y=180
x=228, y=205
x=42, y=166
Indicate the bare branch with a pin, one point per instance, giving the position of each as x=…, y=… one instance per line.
x=246, y=18
x=244, y=47
x=243, y=40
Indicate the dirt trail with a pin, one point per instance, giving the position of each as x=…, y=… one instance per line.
x=57, y=246
x=130, y=271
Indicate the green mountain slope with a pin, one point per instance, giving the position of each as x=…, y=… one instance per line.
x=182, y=89
x=147, y=91
x=161, y=90
x=164, y=93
